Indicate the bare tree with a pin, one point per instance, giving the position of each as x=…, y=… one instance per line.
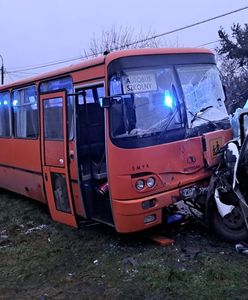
x=121, y=38
x=233, y=56
x=235, y=79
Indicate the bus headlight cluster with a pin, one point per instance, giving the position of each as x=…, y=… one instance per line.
x=150, y=182
x=141, y=183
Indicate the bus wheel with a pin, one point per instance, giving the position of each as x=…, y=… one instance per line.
x=231, y=227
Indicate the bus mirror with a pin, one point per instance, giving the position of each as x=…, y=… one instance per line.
x=105, y=102
x=224, y=90
x=243, y=113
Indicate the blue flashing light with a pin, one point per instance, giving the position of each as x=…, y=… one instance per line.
x=168, y=100
x=5, y=102
x=0, y=103
x=15, y=102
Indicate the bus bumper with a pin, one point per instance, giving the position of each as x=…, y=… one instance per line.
x=136, y=215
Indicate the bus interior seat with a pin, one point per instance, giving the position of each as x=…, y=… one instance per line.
x=92, y=139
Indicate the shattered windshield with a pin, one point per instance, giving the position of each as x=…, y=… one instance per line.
x=147, y=103
x=203, y=92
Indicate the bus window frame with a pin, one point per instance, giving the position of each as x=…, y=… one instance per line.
x=12, y=113
x=10, y=117
x=78, y=89
x=72, y=137
x=181, y=105
x=60, y=91
x=89, y=85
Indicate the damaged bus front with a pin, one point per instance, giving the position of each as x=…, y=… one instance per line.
x=165, y=123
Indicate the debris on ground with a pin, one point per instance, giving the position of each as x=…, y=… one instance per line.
x=131, y=261
x=37, y=228
x=242, y=248
x=160, y=239
x=191, y=252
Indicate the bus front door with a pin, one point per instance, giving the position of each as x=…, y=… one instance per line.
x=54, y=137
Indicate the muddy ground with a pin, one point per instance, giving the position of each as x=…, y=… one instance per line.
x=41, y=259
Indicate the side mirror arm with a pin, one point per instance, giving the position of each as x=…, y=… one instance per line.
x=241, y=117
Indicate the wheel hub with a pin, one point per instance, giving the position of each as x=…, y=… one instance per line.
x=235, y=219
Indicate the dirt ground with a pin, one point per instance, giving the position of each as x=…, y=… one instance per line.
x=41, y=259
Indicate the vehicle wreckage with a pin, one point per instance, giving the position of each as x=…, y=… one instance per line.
x=224, y=208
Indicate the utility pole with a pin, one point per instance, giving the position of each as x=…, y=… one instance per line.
x=2, y=71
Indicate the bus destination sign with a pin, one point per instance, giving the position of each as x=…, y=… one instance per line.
x=139, y=82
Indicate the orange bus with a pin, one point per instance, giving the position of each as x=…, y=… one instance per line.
x=119, y=139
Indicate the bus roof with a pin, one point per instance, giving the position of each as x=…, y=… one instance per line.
x=101, y=59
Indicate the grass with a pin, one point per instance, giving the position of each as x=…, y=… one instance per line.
x=94, y=262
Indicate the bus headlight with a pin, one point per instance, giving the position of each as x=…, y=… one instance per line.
x=150, y=182
x=140, y=184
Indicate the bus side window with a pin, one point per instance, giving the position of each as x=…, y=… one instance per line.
x=5, y=114
x=92, y=95
x=89, y=97
x=53, y=119
x=25, y=112
x=100, y=92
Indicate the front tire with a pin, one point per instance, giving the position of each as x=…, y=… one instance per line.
x=232, y=227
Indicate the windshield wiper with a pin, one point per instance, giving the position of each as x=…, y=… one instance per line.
x=177, y=110
x=196, y=116
x=164, y=130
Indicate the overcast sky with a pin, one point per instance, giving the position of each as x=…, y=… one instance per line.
x=34, y=32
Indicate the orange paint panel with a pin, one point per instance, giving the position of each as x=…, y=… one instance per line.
x=73, y=161
x=87, y=74
x=128, y=224
x=6, y=151
x=24, y=183
x=171, y=164
x=129, y=215
x=21, y=153
x=214, y=141
x=54, y=153
x=134, y=207
x=79, y=207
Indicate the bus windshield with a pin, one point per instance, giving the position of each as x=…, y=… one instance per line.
x=148, y=103
x=178, y=97
x=203, y=93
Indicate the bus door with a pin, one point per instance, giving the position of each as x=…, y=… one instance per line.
x=91, y=153
x=55, y=161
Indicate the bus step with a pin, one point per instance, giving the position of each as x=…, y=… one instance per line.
x=87, y=223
